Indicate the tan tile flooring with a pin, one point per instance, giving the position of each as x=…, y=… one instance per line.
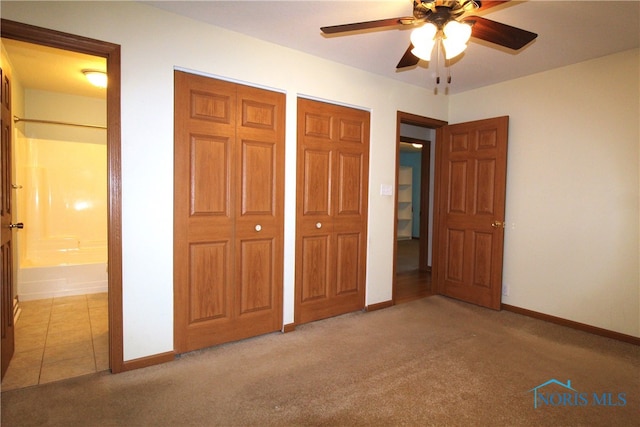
x=58, y=338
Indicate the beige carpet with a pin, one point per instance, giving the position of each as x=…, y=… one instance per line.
x=433, y=361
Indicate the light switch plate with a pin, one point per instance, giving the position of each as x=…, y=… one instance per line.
x=386, y=190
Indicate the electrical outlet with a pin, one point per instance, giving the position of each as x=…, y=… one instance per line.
x=505, y=290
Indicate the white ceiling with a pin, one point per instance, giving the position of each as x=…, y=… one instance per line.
x=45, y=68
x=568, y=32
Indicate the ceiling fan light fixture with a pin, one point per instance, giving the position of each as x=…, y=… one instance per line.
x=423, y=36
x=456, y=37
x=452, y=49
x=423, y=40
x=424, y=52
x=459, y=31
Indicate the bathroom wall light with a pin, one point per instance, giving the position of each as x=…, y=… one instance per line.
x=96, y=78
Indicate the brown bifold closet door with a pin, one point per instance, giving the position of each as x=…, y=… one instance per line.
x=228, y=211
x=331, y=217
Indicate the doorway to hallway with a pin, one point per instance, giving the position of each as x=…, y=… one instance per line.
x=415, y=141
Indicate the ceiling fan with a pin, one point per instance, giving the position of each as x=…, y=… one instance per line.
x=446, y=22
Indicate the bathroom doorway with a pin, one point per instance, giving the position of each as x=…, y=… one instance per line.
x=60, y=194
x=60, y=183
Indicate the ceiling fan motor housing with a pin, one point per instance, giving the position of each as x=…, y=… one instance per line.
x=439, y=12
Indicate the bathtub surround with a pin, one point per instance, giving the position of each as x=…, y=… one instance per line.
x=35, y=283
x=62, y=173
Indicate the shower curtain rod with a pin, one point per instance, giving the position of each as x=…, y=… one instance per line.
x=51, y=122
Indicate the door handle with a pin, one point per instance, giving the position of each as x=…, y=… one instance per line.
x=318, y=225
x=16, y=225
x=258, y=227
x=497, y=224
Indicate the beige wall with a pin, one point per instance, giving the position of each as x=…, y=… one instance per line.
x=572, y=237
x=154, y=43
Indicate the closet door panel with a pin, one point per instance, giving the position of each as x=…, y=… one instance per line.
x=256, y=275
x=209, y=273
x=316, y=182
x=209, y=164
x=349, y=182
x=258, y=186
x=259, y=211
x=315, y=272
x=348, y=252
x=228, y=211
x=332, y=183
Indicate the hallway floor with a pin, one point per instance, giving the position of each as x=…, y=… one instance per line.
x=58, y=338
x=410, y=282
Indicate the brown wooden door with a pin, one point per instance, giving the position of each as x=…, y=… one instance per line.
x=472, y=185
x=332, y=191
x=6, y=266
x=228, y=219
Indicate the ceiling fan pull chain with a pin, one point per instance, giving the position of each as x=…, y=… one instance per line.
x=438, y=62
x=448, y=71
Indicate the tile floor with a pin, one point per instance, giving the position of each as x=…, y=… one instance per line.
x=58, y=338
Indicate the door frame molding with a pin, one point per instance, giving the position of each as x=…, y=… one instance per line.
x=111, y=52
x=430, y=123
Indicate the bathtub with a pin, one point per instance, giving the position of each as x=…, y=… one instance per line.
x=74, y=273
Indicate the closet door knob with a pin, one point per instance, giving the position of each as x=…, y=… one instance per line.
x=258, y=227
x=318, y=225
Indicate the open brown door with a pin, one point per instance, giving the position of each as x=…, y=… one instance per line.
x=471, y=185
x=6, y=265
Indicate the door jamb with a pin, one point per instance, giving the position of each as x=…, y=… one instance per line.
x=111, y=52
x=430, y=123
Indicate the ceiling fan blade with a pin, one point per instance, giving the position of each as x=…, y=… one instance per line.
x=484, y=5
x=380, y=23
x=498, y=33
x=408, y=59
